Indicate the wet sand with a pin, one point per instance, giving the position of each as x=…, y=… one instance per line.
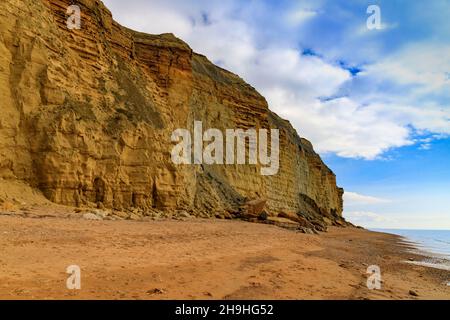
x=204, y=259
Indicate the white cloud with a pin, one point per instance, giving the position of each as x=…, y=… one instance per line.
x=300, y=16
x=366, y=218
x=353, y=198
x=344, y=127
x=425, y=65
x=154, y=16
x=397, y=220
x=425, y=146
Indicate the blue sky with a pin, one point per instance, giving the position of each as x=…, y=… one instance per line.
x=375, y=103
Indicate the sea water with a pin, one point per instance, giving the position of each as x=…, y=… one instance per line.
x=434, y=245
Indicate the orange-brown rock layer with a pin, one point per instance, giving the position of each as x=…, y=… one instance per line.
x=87, y=117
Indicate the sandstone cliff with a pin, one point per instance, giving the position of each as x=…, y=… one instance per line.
x=87, y=117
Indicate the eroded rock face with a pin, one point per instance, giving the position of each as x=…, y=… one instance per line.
x=87, y=117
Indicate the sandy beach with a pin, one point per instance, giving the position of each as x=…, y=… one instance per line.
x=204, y=259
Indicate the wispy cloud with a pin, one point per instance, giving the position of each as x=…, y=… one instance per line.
x=298, y=17
x=353, y=198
